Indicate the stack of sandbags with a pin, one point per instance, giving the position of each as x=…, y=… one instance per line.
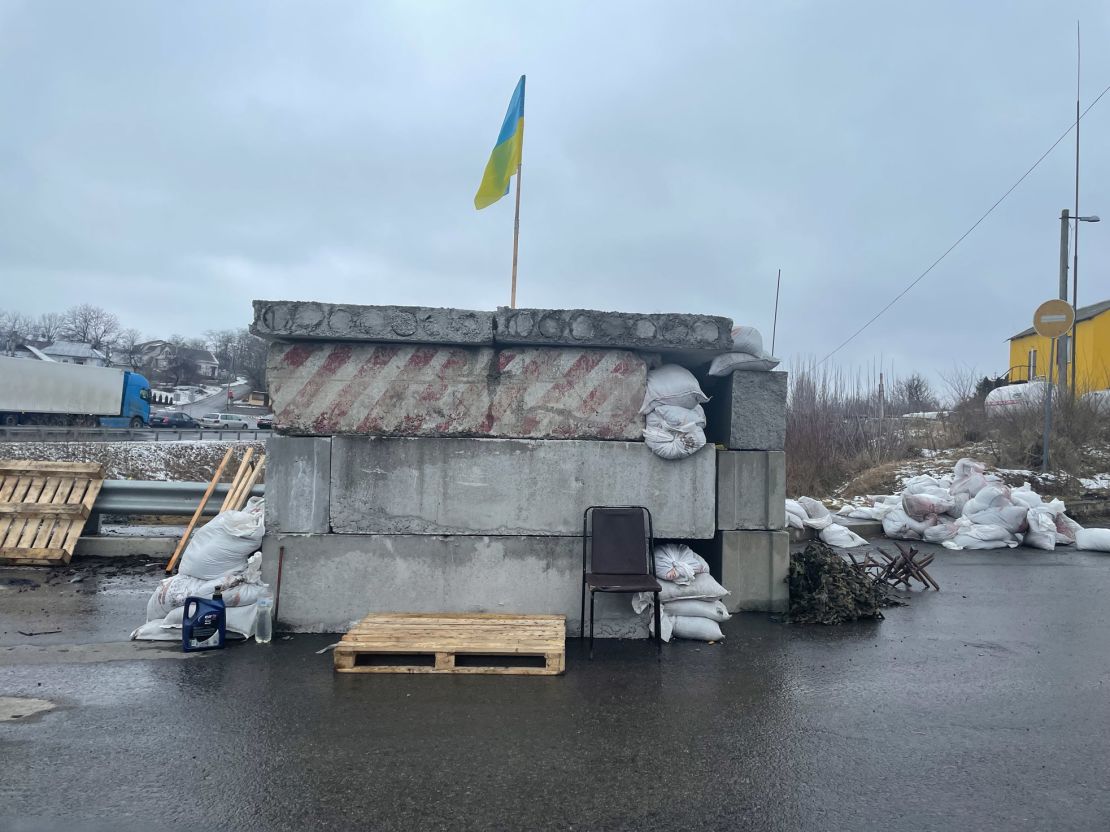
x=747, y=354
x=805, y=511
x=223, y=553
x=690, y=601
x=675, y=419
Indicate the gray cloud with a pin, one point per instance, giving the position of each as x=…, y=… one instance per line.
x=173, y=161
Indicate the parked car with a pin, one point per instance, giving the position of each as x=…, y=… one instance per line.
x=265, y=422
x=228, y=421
x=173, y=419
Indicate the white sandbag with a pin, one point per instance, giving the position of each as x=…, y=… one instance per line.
x=795, y=514
x=981, y=537
x=968, y=478
x=900, y=526
x=944, y=530
x=239, y=624
x=682, y=626
x=923, y=484
x=866, y=512
x=678, y=562
x=224, y=543
x=239, y=589
x=1042, y=528
x=669, y=442
x=747, y=339
x=991, y=496
x=814, y=509
x=1012, y=518
x=713, y=610
x=920, y=506
x=732, y=362
x=1025, y=496
x=1066, y=529
x=1093, y=540
x=838, y=535
x=672, y=384
x=681, y=417
x=703, y=586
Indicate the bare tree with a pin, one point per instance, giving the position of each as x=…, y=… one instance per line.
x=127, y=347
x=48, y=325
x=90, y=325
x=961, y=382
x=15, y=328
x=917, y=393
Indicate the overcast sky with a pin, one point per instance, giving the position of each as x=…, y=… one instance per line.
x=172, y=161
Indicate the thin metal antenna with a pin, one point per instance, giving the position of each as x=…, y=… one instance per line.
x=775, y=325
x=1070, y=342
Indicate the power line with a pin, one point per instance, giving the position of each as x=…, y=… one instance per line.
x=964, y=236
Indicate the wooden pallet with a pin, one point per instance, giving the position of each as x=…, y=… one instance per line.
x=528, y=645
x=43, y=507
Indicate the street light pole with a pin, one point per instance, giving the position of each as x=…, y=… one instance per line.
x=1062, y=346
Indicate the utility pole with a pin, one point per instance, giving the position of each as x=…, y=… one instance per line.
x=1062, y=346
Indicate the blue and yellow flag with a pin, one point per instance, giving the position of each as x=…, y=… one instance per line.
x=505, y=158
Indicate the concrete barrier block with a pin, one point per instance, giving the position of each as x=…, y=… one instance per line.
x=751, y=490
x=512, y=487
x=329, y=582
x=298, y=487
x=753, y=568
x=622, y=330
x=379, y=389
x=308, y=320
x=748, y=411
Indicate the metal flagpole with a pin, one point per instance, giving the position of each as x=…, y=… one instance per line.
x=516, y=227
x=1070, y=341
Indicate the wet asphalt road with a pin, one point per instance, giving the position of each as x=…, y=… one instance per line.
x=985, y=706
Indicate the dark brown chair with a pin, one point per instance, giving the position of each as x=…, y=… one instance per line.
x=618, y=547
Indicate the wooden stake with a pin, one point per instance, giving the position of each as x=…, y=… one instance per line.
x=200, y=508
x=516, y=228
x=243, y=467
x=245, y=492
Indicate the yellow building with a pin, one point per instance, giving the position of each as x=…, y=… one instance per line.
x=1029, y=352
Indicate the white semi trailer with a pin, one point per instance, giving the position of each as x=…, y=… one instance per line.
x=34, y=392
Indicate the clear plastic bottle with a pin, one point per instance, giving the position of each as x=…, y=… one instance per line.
x=264, y=620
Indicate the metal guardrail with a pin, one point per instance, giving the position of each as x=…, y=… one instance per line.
x=37, y=433
x=147, y=497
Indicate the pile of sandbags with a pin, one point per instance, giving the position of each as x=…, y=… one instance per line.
x=675, y=420
x=747, y=354
x=223, y=553
x=805, y=511
x=971, y=509
x=690, y=602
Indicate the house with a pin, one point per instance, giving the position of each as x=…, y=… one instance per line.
x=1030, y=353
x=73, y=352
x=161, y=355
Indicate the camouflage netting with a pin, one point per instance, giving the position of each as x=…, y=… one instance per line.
x=826, y=589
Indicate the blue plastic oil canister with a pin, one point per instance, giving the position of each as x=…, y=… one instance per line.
x=204, y=623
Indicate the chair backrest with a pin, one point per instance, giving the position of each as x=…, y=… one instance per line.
x=620, y=540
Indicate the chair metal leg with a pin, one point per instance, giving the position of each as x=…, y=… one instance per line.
x=582, y=612
x=592, y=594
x=658, y=628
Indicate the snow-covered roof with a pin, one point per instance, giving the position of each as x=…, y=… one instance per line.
x=73, y=349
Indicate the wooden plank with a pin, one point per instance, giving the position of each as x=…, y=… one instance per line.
x=236, y=481
x=39, y=509
x=32, y=557
x=244, y=493
x=19, y=466
x=68, y=489
x=92, y=489
x=200, y=508
x=49, y=495
x=26, y=487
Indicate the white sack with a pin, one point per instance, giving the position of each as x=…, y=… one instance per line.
x=672, y=384
x=1012, y=518
x=968, y=478
x=920, y=506
x=1066, y=529
x=678, y=562
x=681, y=626
x=681, y=417
x=1093, y=540
x=982, y=537
x=672, y=443
x=713, y=610
x=733, y=361
x=238, y=623
x=224, y=543
x=991, y=496
x=923, y=484
x=945, y=530
x=703, y=586
x=877, y=512
x=842, y=536
x=240, y=588
x=900, y=526
x=1042, y=528
x=1025, y=496
x=747, y=339
x=795, y=514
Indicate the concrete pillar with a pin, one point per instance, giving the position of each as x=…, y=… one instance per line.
x=753, y=568
x=748, y=411
x=751, y=490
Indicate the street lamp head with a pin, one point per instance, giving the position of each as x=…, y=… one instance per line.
x=1092, y=218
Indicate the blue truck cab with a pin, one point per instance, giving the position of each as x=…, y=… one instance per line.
x=135, y=406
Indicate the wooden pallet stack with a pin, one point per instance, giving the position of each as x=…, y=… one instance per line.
x=454, y=643
x=43, y=508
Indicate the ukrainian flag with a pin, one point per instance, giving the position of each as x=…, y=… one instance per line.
x=505, y=158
